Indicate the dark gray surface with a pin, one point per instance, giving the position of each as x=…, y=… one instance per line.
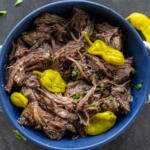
x=136, y=137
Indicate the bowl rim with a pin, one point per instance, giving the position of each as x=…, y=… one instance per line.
x=129, y=121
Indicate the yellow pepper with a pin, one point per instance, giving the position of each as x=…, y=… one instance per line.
x=100, y=123
x=51, y=80
x=141, y=22
x=109, y=54
x=19, y=99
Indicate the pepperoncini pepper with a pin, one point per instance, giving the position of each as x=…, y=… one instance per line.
x=141, y=22
x=19, y=99
x=109, y=54
x=100, y=123
x=51, y=80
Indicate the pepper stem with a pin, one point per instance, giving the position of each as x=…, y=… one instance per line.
x=37, y=73
x=85, y=34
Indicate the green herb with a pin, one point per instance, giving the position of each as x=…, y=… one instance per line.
x=76, y=97
x=133, y=71
x=91, y=31
x=91, y=105
x=111, y=98
x=76, y=74
x=84, y=93
x=99, y=89
x=138, y=86
x=18, y=135
x=18, y=2
x=87, y=88
x=3, y=12
x=126, y=93
x=69, y=69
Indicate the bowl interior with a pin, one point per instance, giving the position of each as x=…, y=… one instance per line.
x=133, y=47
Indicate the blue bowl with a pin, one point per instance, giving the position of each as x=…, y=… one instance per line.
x=133, y=47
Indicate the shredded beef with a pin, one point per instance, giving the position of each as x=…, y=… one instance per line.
x=79, y=22
x=53, y=126
x=17, y=71
x=35, y=36
x=111, y=35
x=124, y=71
x=56, y=42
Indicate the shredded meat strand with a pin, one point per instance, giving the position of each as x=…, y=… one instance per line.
x=92, y=85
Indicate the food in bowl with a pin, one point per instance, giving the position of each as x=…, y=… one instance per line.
x=70, y=75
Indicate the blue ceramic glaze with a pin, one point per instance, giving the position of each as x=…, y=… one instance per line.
x=133, y=47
